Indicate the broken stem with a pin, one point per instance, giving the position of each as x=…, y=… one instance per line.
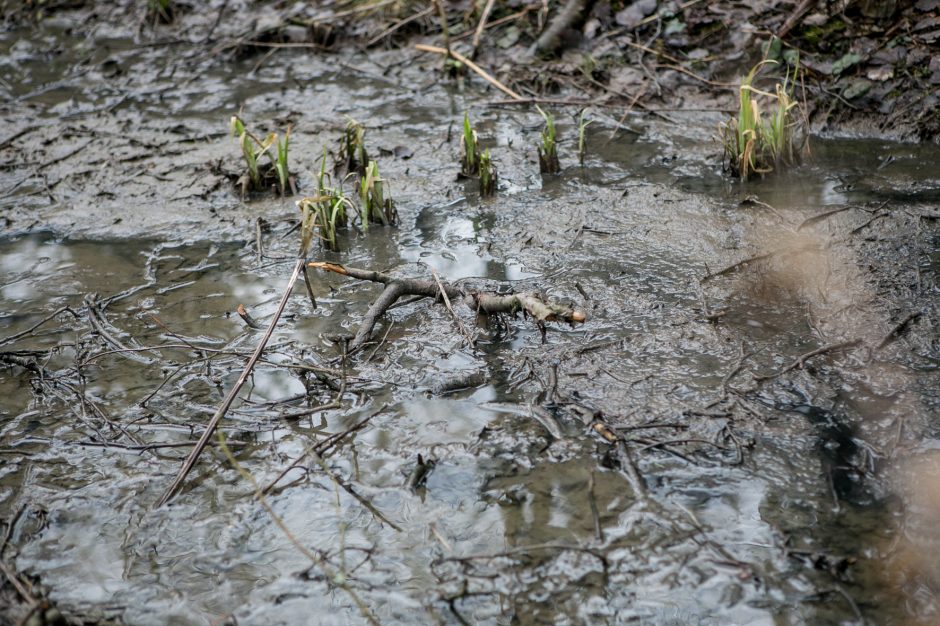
x=532, y=303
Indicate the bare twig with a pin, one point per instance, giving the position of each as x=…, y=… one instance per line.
x=550, y=40
x=32, y=328
x=473, y=66
x=322, y=446
x=250, y=321
x=796, y=17
x=801, y=360
x=481, y=26
x=193, y=457
x=899, y=330
x=592, y=500
x=463, y=331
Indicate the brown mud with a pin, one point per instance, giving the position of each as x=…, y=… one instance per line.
x=743, y=431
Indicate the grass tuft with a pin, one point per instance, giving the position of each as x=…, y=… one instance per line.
x=548, y=148
x=469, y=149
x=260, y=175
x=582, y=137
x=488, y=175
x=377, y=206
x=755, y=144
x=324, y=213
x=352, y=157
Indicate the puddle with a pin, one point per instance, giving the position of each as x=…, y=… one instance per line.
x=770, y=501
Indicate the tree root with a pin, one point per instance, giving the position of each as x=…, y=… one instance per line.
x=530, y=303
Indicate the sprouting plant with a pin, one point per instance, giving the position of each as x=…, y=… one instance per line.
x=325, y=213
x=469, y=149
x=253, y=149
x=548, y=149
x=753, y=145
x=352, y=149
x=377, y=207
x=283, y=173
x=582, y=138
x=488, y=175
x=324, y=189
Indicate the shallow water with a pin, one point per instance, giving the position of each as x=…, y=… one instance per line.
x=772, y=502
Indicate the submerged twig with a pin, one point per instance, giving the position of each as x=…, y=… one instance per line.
x=800, y=361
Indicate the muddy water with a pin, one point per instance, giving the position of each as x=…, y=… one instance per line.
x=780, y=501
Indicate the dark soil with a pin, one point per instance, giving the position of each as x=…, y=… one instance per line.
x=869, y=68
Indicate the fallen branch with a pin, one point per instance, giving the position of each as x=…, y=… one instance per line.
x=531, y=303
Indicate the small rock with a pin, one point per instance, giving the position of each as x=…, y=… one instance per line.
x=403, y=152
x=815, y=19
x=880, y=74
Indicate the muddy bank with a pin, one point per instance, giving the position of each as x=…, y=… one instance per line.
x=868, y=68
x=730, y=437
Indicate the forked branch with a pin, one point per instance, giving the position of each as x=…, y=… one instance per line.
x=531, y=303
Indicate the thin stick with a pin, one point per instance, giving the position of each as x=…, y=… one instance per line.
x=193, y=457
x=481, y=26
x=735, y=266
x=898, y=330
x=592, y=500
x=473, y=66
x=821, y=216
x=38, y=324
x=445, y=31
x=460, y=327
x=321, y=447
x=397, y=25
x=801, y=360
x=495, y=23
x=795, y=18
x=317, y=561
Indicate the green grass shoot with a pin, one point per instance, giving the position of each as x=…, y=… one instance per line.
x=377, y=206
x=353, y=157
x=582, y=137
x=488, y=176
x=755, y=145
x=323, y=214
x=253, y=149
x=280, y=166
x=548, y=148
x=469, y=149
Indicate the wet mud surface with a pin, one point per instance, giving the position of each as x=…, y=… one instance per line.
x=744, y=431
